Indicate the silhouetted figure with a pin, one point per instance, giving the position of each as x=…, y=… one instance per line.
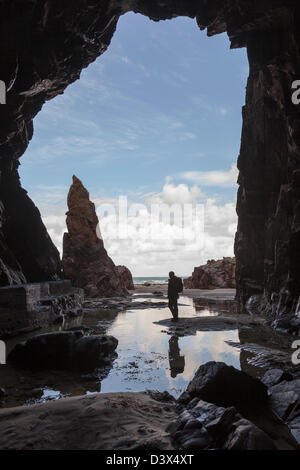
x=175, y=286
x=176, y=361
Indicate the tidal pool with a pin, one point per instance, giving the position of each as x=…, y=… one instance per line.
x=148, y=357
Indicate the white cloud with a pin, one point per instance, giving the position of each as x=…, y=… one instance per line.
x=157, y=257
x=56, y=226
x=180, y=194
x=212, y=178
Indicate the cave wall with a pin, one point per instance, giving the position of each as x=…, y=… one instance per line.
x=44, y=45
x=267, y=243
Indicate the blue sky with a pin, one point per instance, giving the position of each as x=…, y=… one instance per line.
x=159, y=113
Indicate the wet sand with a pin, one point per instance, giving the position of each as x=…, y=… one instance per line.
x=100, y=421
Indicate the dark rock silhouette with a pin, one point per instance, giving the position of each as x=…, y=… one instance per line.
x=212, y=275
x=207, y=426
x=27, y=253
x=285, y=402
x=268, y=236
x=85, y=260
x=64, y=350
x=276, y=376
x=224, y=385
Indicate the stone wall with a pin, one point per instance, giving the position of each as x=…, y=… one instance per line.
x=27, y=307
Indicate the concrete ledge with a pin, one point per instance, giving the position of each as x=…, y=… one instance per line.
x=25, y=296
x=27, y=307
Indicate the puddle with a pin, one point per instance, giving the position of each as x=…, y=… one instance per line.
x=148, y=358
x=159, y=361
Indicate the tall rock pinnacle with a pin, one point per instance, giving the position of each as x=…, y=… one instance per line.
x=85, y=260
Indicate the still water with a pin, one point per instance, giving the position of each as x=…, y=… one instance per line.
x=148, y=357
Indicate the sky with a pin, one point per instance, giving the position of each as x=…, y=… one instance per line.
x=157, y=120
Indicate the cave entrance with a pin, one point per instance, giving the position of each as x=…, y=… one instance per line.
x=157, y=120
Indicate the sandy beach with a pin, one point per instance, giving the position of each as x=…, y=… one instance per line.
x=106, y=421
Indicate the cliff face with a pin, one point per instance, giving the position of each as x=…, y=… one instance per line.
x=267, y=243
x=85, y=260
x=27, y=253
x=212, y=275
x=44, y=46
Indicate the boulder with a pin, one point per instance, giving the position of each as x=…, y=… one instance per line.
x=207, y=426
x=247, y=436
x=126, y=277
x=213, y=274
x=69, y=350
x=285, y=402
x=223, y=385
x=85, y=260
x=222, y=424
x=275, y=376
x=285, y=398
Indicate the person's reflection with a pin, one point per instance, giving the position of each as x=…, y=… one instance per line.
x=175, y=360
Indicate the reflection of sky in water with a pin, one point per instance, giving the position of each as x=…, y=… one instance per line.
x=143, y=344
x=158, y=361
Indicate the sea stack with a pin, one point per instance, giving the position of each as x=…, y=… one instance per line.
x=85, y=260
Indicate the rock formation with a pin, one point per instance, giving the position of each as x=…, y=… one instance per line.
x=223, y=385
x=27, y=253
x=212, y=275
x=85, y=260
x=68, y=350
x=268, y=236
x=126, y=276
x=207, y=426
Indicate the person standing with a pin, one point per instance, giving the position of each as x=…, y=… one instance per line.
x=175, y=286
